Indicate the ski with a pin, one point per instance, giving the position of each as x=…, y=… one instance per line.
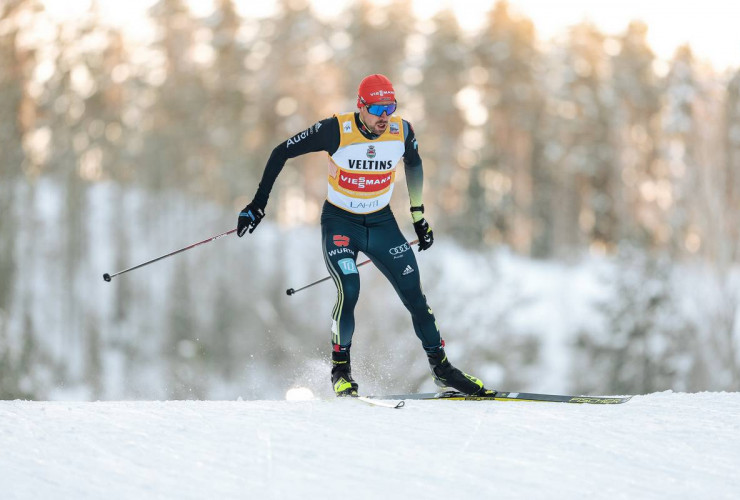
x=507, y=396
x=381, y=402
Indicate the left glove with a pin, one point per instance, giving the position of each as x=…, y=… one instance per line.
x=249, y=218
x=425, y=234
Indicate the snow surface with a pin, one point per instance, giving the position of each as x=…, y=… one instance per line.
x=663, y=445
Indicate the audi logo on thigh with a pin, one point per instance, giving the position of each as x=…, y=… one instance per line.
x=399, y=249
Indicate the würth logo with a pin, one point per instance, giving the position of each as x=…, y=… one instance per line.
x=341, y=241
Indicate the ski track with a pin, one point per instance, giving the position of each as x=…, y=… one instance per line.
x=663, y=445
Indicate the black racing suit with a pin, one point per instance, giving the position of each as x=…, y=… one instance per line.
x=376, y=234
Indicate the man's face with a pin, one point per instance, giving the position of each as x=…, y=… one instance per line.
x=376, y=124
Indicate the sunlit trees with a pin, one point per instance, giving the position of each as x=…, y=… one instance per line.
x=17, y=107
x=440, y=69
x=501, y=184
x=637, y=134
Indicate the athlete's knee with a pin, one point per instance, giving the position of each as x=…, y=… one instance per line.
x=414, y=300
x=351, y=291
x=346, y=278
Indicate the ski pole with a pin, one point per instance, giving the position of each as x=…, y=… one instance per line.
x=291, y=291
x=108, y=277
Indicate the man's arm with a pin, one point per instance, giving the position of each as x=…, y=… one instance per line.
x=413, y=169
x=321, y=136
x=415, y=183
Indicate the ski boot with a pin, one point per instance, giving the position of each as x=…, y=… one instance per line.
x=447, y=376
x=341, y=373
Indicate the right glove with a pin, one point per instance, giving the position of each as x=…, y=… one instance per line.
x=249, y=218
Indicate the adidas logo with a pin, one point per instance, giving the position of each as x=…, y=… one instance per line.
x=408, y=270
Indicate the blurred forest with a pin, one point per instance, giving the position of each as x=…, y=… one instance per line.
x=115, y=151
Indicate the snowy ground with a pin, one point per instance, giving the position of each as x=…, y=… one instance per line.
x=657, y=446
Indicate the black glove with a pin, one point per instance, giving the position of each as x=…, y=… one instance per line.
x=249, y=218
x=425, y=234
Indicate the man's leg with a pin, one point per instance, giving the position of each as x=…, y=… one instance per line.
x=340, y=243
x=341, y=261
x=389, y=251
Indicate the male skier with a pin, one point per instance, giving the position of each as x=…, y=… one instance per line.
x=364, y=149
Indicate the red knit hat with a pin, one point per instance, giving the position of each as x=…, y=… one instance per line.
x=375, y=88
